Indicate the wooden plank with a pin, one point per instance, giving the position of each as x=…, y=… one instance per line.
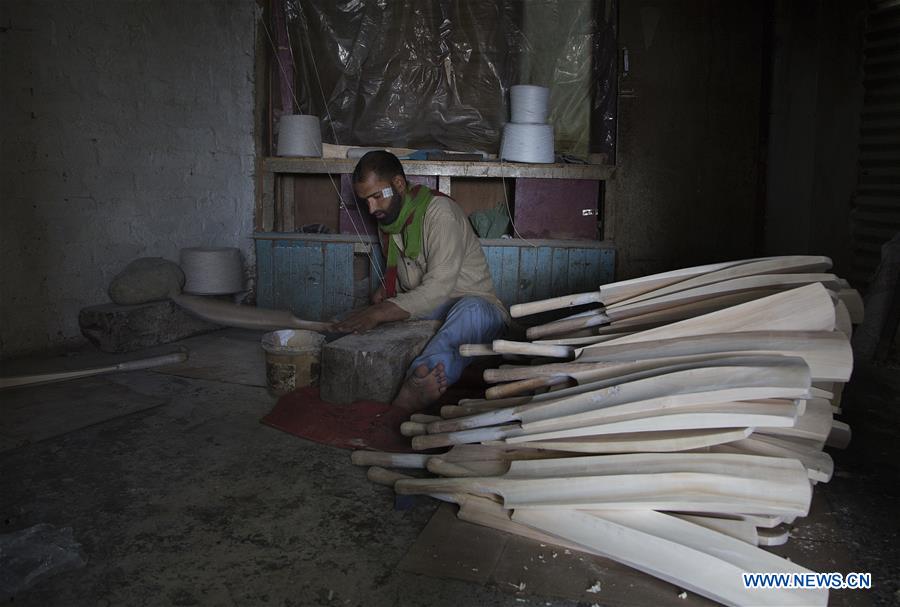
x=281, y=271
x=494, y=260
x=446, y=167
x=267, y=202
x=309, y=282
x=474, y=195
x=577, y=266
x=444, y=185
x=337, y=281
x=264, y=274
x=352, y=238
x=593, y=271
x=287, y=204
x=527, y=274
x=543, y=274
x=559, y=281
x=510, y=272
x=544, y=242
x=485, y=242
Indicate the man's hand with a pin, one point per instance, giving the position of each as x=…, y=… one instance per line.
x=378, y=295
x=360, y=321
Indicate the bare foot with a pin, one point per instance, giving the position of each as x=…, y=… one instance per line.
x=421, y=388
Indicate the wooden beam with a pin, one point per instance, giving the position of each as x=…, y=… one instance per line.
x=449, y=168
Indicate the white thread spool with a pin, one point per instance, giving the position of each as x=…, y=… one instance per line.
x=212, y=270
x=299, y=135
x=527, y=143
x=529, y=103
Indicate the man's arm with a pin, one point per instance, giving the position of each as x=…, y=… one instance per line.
x=360, y=321
x=445, y=236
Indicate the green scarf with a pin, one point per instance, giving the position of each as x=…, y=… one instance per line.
x=410, y=220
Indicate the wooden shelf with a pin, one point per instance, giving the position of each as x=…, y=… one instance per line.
x=492, y=168
x=490, y=242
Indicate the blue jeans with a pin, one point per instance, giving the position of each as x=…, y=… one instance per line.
x=469, y=320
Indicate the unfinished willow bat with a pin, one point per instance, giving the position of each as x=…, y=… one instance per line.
x=627, y=289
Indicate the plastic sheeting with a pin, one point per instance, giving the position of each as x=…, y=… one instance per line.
x=436, y=73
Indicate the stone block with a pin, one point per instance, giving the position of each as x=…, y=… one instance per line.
x=115, y=328
x=146, y=279
x=372, y=365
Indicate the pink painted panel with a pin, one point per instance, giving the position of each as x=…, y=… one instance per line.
x=557, y=208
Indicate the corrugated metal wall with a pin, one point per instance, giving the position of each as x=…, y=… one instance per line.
x=876, y=205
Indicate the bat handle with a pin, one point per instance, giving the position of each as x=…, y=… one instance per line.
x=529, y=349
x=525, y=386
x=555, y=303
x=413, y=429
x=382, y=476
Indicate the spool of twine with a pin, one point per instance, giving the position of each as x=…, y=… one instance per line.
x=299, y=135
x=527, y=143
x=529, y=104
x=212, y=271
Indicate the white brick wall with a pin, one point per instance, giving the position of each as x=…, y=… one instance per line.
x=126, y=130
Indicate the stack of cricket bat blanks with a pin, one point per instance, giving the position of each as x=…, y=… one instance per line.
x=675, y=426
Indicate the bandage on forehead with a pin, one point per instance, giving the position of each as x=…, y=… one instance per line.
x=387, y=192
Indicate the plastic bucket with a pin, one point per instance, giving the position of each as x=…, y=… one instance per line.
x=292, y=359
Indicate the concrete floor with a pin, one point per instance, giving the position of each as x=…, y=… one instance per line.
x=191, y=501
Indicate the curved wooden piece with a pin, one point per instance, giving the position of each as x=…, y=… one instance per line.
x=769, y=266
x=245, y=317
x=807, y=308
x=701, y=560
x=726, y=380
x=645, y=442
x=617, y=291
x=60, y=376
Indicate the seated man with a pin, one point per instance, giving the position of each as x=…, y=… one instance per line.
x=436, y=270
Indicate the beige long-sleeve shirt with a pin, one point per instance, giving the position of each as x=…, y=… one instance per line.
x=450, y=265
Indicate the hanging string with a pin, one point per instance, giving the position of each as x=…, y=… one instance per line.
x=373, y=263
x=343, y=205
x=508, y=210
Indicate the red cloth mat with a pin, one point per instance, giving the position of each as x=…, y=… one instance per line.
x=365, y=424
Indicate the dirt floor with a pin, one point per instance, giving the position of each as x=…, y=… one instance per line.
x=179, y=496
